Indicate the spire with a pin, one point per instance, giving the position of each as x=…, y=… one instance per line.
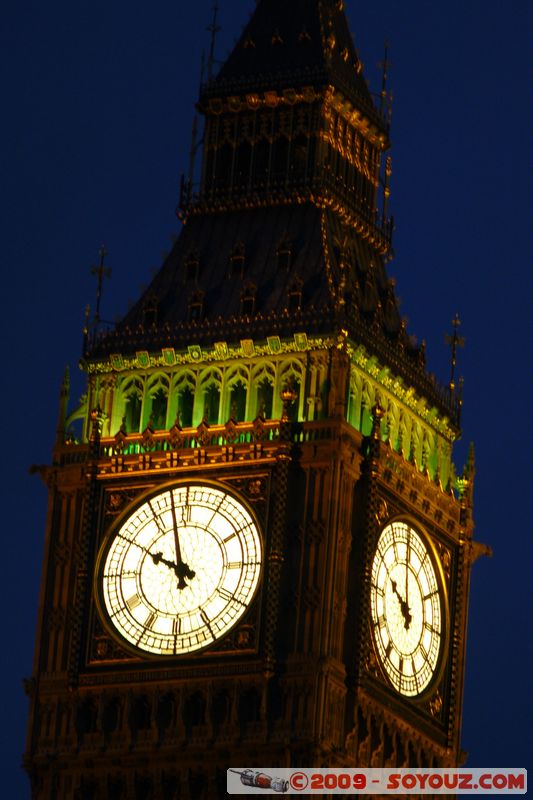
x=297, y=43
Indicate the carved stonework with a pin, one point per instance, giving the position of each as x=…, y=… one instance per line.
x=55, y=618
x=62, y=553
x=315, y=531
x=445, y=559
x=117, y=501
x=382, y=513
x=203, y=435
x=371, y=663
x=255, y=489
x=231, y=433
x=105, y=648
x=435, y=705
x=175, y=436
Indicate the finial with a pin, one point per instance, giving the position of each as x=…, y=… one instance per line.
x=470, y=466
x=64, y=396
x=455, y=341
x=213, y=30
x=194, y=148
x=385, y=64
x=386, y=188
x=101, y=272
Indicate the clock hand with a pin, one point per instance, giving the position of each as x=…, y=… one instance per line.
x=407, y=559
x=404, y=608
x=182, y=569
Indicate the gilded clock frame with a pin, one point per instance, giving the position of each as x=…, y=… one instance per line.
x=107, y=540
x=442, y=659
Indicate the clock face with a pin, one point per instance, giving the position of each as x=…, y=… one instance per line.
x=406, y=609
x=181, y=570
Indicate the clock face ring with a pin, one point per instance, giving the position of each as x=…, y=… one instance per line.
x=408, y=609
x=180, y=570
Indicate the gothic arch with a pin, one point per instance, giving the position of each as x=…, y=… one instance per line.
x=156, y=401
x=128, y=408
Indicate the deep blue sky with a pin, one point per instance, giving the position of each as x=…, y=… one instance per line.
x=97, y=108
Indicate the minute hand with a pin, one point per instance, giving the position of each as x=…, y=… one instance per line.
x=182, y=569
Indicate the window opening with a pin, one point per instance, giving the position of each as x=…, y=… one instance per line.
x=132, y=417
x=238, y=401
x=159, y=410
x=211, y=404
x=185, y=406
x=265, y=398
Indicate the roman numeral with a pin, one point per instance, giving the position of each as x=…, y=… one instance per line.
x=176, y=626
x=151, y=619
x=133, y=601
x=235, y=565
x=206, y=621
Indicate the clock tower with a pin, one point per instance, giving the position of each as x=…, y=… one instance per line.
x=258, y=551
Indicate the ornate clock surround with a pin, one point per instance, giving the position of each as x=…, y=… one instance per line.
x=117, y=499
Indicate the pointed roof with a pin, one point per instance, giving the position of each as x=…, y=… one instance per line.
x=294, y=43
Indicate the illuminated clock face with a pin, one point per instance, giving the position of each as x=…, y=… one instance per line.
x=181, y=570
x=406, y=609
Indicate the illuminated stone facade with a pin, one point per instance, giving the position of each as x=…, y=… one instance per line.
x=268, y=358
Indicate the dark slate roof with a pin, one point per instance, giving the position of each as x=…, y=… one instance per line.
x=321, y=244
x=294, y=43
x=259, y=234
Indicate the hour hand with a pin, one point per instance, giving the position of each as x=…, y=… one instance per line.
x=182, y=570
x=157, y=558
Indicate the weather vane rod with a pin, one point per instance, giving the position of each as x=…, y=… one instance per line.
x=384, y=78
x=101, y=272
x=213, y=30
x=454, y=341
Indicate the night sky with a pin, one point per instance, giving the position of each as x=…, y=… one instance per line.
x=97, y=110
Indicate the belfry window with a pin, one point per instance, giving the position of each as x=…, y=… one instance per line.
x=265, y=397
x=261, y=160
x=159, y=410
x=185, y=406
x=280, y=158
x=238, y=401
x=132, y=416
x=211, y=404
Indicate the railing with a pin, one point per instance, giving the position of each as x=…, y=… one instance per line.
x=258, y=432
x=232, y=433
x=284, y=185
